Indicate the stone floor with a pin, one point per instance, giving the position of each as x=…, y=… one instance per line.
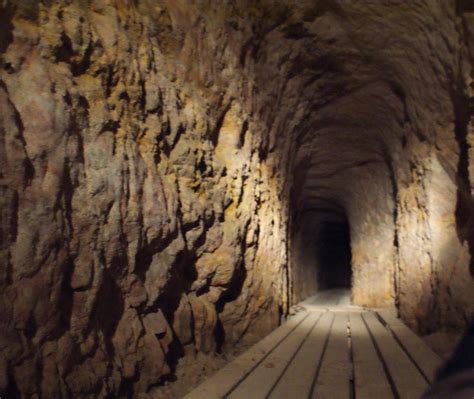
x=329, y=349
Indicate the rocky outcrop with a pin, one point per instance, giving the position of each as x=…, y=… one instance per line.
x=165, y=164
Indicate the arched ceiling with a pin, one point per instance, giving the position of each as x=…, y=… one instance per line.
x=372, y=76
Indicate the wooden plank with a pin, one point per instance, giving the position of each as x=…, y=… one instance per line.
x=427, y=360
x=326, y=298
x=323, y=298
x=297, y=380
x=337, y=300
x=318, y=299
x=308, y=301
x=333, y=380
x=259, y=383
x=345, y=298
x=225, y=379
x=408, y=381
x=332, y=298
x=335, y=296
x=370, y=378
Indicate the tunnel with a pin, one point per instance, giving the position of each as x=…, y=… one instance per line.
x=334, y=255
x=177, y=176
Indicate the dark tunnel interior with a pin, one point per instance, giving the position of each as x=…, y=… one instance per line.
x=334, y=255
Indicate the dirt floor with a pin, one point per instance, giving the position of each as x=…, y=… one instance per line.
x=191, y=372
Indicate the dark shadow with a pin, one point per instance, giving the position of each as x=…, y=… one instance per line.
x=110, y=307
x=6, y=33
x=334, y=255
x=464, y=204
x=11, y=391
x=455, y=378
x=232, y=292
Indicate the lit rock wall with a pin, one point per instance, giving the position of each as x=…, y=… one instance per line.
x=433, y=170
x=434, y=229
x=142, y=194
x=372, y=238
x=391, y=149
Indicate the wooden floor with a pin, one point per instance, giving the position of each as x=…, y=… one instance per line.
x=329, y=350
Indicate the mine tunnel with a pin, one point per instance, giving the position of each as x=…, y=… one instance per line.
x=178, y=177
x=334, y=255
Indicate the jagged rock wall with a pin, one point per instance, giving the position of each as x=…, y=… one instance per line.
x=434, y=213
x=392, y=152
x=143, y=193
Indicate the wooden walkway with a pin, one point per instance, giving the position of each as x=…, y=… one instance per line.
x=329, y=350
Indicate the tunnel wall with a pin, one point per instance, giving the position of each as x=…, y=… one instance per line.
x=434, y=212
x=393, y=151
x=434, y=229
x=143, y=193
x=372, y=238
x=305, y=268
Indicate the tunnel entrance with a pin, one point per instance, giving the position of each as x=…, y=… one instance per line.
x=334, y=255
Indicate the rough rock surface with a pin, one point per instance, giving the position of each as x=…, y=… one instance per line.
x=164, y=164
x=390, y=149
x=140, y=194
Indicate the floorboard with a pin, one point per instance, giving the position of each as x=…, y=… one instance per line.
x=407, y=379
x=217, y=386
x=424, y=357
x=329, y=351
x=371, y=380
x=258, y=384
x=333, y=379
x=298, y=379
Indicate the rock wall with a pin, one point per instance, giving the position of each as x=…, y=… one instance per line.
x=305, y=273
x=434, y=216
x=143, y=193
x=390, y=150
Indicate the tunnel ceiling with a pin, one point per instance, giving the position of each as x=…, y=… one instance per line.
x=372, y=80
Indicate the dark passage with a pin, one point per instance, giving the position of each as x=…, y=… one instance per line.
x=334, y=255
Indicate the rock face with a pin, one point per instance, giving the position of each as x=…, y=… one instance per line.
x=391, y=151
x=166, y=166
